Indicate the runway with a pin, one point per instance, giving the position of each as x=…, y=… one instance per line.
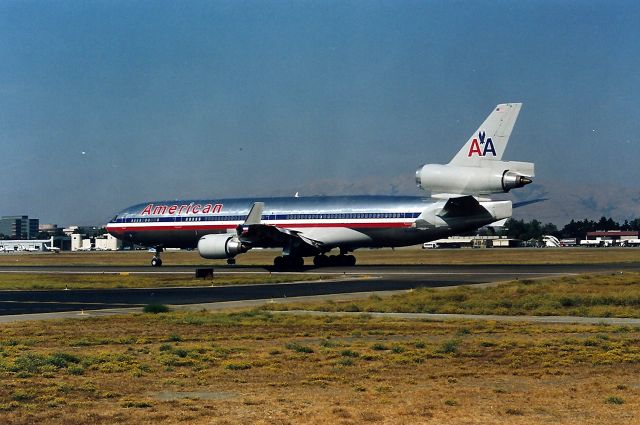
x=342, y=280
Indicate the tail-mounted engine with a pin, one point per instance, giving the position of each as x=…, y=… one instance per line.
x=482, y=179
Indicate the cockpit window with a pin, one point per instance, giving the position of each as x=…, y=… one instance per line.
x=114, y=219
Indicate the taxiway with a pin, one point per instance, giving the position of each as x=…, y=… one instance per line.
x=342, y=280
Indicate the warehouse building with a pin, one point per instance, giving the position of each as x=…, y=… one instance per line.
x=612, y=237
x=26, y=245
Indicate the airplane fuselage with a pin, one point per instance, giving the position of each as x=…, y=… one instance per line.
x=348, y=222
x=313, y=226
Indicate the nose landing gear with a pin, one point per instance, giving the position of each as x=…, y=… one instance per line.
x=156, y=261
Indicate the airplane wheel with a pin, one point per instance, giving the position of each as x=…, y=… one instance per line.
x=321, y=260
x=350, y=260
x=288, y=261
x=156, y=262
x=231, y=261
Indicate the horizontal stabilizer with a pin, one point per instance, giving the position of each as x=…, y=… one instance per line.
x=499, y=223
x=532, y=201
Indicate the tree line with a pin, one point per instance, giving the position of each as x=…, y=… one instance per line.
x=534, y=229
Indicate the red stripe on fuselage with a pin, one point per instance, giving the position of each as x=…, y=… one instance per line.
x=123, y=228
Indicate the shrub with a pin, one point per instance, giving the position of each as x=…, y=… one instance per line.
x=349, y=353
x=61, y=360
x=397, y=349
x=449, y=347
x=181, y=352
x=614, y=400
x=379, y=347
x=294, y=346
x=23, y=396
x=238, y=366
x=76, y=370
x=346, y=362
x=29, y=363
x=136, y=404
x=155, y=308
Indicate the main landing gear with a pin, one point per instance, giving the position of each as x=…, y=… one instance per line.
x=334, y=260
x=288, y=262
x=156, y=261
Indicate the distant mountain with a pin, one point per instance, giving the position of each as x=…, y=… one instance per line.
x=565, y=200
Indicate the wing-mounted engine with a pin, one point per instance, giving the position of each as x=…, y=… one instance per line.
x=220, y=246
x=482, y=178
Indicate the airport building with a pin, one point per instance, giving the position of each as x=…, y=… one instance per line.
x=99, y=243
x=612, y=237
x=19, y=227
x=473, y=242
x=28, y=245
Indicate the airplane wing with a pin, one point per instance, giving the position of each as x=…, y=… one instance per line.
x=253, y=233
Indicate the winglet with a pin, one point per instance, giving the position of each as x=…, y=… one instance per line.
x=255, y=214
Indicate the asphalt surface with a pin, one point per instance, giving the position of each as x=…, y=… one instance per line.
x=343, y=280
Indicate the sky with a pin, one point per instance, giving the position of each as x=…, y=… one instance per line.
x=104, y=104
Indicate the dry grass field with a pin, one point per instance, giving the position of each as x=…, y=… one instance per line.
x=588, y=295
x=126, y=280
x=263, y=368
x=365, y=257
x=266, y=368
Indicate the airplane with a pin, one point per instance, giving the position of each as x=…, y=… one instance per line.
x=313, y=226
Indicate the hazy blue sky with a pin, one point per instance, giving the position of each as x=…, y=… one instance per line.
x=105, y=103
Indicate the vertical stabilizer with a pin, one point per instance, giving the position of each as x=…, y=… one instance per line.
x=491, y=138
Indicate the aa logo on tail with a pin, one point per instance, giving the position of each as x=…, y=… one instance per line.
x=487, y=146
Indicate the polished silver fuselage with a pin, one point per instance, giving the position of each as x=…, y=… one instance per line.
x=348, y=222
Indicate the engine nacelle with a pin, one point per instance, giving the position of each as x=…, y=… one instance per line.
x=489, y=177
x=220, y=247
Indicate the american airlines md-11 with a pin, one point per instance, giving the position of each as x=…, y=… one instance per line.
x=313, y=226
